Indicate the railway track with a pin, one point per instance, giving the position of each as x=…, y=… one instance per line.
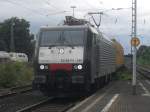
x=144, y=71
x=15, y=90
x=35, y=102
x=51, y=105
x=57, y=104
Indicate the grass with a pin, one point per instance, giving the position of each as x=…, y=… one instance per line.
x=143, y=55
x=15, y=74
x=123, y=74
x=143, y=62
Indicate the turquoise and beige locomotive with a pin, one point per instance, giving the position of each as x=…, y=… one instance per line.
x=73, y=57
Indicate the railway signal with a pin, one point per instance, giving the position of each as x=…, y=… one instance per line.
x=135, y=41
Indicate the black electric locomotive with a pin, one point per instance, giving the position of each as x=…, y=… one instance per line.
x=71, y=58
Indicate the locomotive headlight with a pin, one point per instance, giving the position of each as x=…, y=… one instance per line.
x=41, y=67
x=80, y=67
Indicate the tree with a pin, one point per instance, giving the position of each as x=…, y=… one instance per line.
x=22, y=37
x=143, y=55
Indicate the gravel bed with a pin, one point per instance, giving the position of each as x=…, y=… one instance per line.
x=14, y=103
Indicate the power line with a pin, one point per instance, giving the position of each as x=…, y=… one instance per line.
x=55, y=13
x=85, y=3
x=88, y=4
x=27, y=3
x=50, y=4
x=27, y=8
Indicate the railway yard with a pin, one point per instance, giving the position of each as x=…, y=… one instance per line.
x=114, y=97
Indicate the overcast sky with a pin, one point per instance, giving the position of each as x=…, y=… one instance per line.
x=115, y=24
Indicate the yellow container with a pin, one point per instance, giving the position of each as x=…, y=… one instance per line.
x=119, y=53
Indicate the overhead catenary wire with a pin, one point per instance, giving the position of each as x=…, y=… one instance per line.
x=27, y=2
x=51, y=5
x=83, y=4
x=32, y=10
x=90, y=5
x=27, y=8
x=85, y=1
x=104, y=13
x=56, y=13
x=54, y=7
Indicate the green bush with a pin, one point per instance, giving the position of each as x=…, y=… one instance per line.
x=15, y=74
x=123, y=74
x=143, y=61
x=143, y=55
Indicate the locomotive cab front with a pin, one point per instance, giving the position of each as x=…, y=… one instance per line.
x=60, y=63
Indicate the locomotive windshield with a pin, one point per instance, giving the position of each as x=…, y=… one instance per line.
x=62, y=37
